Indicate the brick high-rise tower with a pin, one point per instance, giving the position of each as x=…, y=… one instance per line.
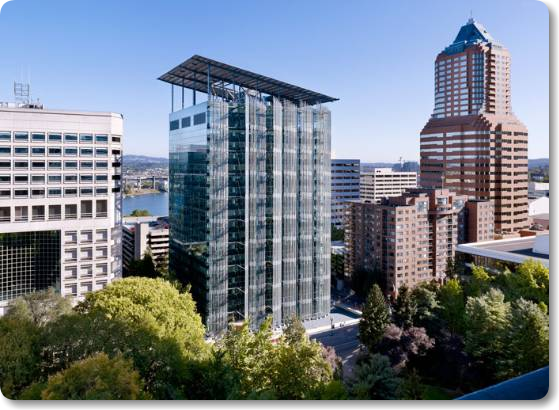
x=473, y=144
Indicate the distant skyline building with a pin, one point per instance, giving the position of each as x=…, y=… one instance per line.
x=345, y=187
x=382, y=183
x=410, y=238
x=473, y=143
x=142, y=235
x=60, y=200
x=249, y=205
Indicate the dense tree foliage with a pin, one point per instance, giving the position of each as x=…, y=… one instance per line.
x=405, y=308
x=96, y=378
x=140, y=212
x=451, y=302
x=39, y=307
x=374, y=378
x=376, y=317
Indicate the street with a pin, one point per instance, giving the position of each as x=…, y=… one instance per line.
x=346, y=343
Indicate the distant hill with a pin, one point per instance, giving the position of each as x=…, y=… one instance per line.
x=135, y=161
x=538, y=162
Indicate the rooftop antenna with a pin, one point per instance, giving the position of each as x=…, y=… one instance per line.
x=471, y=20
x=22, y=92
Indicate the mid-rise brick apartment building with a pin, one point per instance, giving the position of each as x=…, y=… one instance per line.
x=473, y=143
x=410, y=238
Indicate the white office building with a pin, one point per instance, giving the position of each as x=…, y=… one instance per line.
x=60, y=200
x=345, y=187
x=144, y=234
x=384, y=183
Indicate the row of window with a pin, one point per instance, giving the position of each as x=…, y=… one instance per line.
x=6, y=165
x=52, y=178
x=39, y=212
x=185, y=122
x=7, y=151
x=19, y=193
x=22, y=136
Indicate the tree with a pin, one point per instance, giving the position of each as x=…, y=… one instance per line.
x=95, y=378
x=402, y=345
x=480, y=282
x=375, y=319
x=144, y=267
x=411, y=387
x=337, y=234
x=140, y=212
x=374, y=379
x=526, y=340
x=19, y=355
x=157, y=305
x=487, y=318
x=426, y=304
x=405, y=308
x=451, y=301
x=39, y=307
x=530, y=281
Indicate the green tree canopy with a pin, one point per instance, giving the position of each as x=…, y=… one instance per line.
x=405, y=308
x=375, y=319
x=451, y=302
x=39, y=307
x=526, y=340
x=374, y=379
x=426, y=304
x=140, y=212
x=95, y=378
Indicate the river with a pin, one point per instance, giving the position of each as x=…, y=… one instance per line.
x=156, y=204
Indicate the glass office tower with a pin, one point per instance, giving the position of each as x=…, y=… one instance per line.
x=249, y=195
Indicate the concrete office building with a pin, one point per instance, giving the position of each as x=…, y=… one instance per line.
x=249, y=206
x=473, y=143
x=345, y=187
x=60, y=200
x=382, y=183
x=144, y=234
x=410, y=238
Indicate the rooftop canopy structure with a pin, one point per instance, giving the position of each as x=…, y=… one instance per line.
x=215, y=78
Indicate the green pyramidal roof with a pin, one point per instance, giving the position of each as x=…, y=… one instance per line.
x=471, y=33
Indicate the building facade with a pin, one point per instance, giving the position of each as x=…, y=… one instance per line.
x=60, y=200
x=145, y=234
x=382, y=183
x=473, y=143
x=411, y=238
x=249, y=201
x=345, y=187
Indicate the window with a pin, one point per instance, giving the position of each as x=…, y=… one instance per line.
x=5, y=151
x=71, y=151
x=21, y=193
x=86, y=138
x=37, y=179
x=38, y=137
x=5, y=214
x=38, y=213
x=5, y=179
x=101, y=165
x=55, y=179
x=86, y=165
x=70, y=138
x=86, y=209
x=38, y=164
x=54, y=192
x=21, y=179
x=38, y=193
x=174, y=125
x=21, y=213
x=21, y=136
x=71, y=211
x=70, y=165
x=5, y=194
x=55, y=137
x=185, y=122
x=101, y=208
x=101, y=152
x=21, y=151
x=55, y=151
x=86, y=178
x=38, y=151
x=70, y=178
x=5, y=136
x=86, y=152
x=199, y=118
x=116, y=139
x=103, y=139
x=55, y=165
x=86, y=191
x=101, y=178
x=5, y=164
x=101, y=191
x=70, y=191
x=21, y=164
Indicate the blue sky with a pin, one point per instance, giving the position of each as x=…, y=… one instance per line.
x=376, y=56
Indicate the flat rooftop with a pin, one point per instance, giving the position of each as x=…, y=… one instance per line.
x=515, y=250
x=197, y=71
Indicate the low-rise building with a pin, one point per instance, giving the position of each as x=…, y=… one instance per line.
x=495, y=256
x=538, y=189
x=145, y=234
